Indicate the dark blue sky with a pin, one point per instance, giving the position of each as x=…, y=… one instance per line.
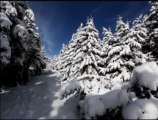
x=58, y=20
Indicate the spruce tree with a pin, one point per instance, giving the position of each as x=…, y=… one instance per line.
x=21, y=46
x=7, y=14
x=117, y=54
x=83, y=59
x=152, y=26
x=64, y=60
x=136, y=39
x=36, y=53
x=107, y=43
x=86, y=59
x=107, y=38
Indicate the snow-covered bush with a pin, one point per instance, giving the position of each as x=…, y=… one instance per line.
x=85, y=84
x=145, y=75
x=95, y=106
x=141, y=109
x=69, y=88
x=144, y=80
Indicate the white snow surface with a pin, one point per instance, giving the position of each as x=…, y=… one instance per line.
x=146, y=75
x=38, y=100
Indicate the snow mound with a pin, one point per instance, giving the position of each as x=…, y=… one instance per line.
x=91, y=106
x=145, y=75
x=97, y=105
x=89, y=84
x=141, y=109
x=92, y=84
x=69, y=88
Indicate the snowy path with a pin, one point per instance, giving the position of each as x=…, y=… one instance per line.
x=38, y=99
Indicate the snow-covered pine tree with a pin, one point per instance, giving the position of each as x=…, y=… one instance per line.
x=43, y=59
x=126, y=50
x=64, y=55
x=60, y=58
x=107, y=38
x=19, y=44
x=16, y=21
x=5, y=28
x=72, y=48
x=55, y=61
x=7, y=13
x=50, y=62
x=152, y=26
x=135, y=40
x=131, y=54
x=115, y=61
x=107, y=43
x=64, y=60
x=87, y=48
x=86, y=58
x=35, y=56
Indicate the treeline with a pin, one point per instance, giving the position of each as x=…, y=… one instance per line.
x=117, y=54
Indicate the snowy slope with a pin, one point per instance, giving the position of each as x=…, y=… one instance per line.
x=38, y=99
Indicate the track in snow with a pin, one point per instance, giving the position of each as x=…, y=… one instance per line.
x=37, y=100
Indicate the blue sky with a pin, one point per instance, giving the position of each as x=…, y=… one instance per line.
x=58, y=20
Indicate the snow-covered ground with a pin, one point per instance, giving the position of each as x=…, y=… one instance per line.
x=38, y=99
